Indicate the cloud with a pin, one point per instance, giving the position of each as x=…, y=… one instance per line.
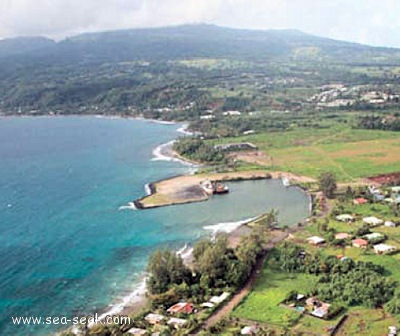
x=366, y=21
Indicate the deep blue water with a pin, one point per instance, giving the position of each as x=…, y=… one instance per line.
x=65, y=248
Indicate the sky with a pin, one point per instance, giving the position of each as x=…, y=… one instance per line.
x=373, y=22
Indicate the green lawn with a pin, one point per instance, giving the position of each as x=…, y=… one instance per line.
x=349, y=153
x=270, y=290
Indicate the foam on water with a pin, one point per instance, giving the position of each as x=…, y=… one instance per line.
x=227, y=227
x=130, y=206
x=161, y=153
x=137, y=294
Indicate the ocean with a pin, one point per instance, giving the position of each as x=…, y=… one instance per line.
x=66, y=247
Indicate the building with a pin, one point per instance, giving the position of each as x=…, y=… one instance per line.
x=345, y=218
x=231, y=113
x=342, y=235
x=315, y=240
x=360, y=200
x=384, y=248
x=219, y=299
x=207, y=305
x=137, y=331
x=248, y=330
x=390, y=224
x=372, y=221
x=177, y=322
x=392, y=331
x=319, y=309
x=237, y=146
x=153, y=318
x=360, y=243
x=374, y=236
x=181, y=307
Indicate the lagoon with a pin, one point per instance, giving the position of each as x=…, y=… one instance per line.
x=65, y=247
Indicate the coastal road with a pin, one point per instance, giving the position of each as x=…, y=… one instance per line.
x=239, y=296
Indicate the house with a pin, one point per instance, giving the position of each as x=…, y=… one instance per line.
x=177, y=322
x=390, y=224
x=345, y=218
x=360, y=243
x=232, y=113
x=236, y=146
x=137, y=331
x=322, y=311
x=384, y=248
x=207, y=305
x=319, y=309
x=315, y=240
x=153, y=318
x=374, y=236
x=207, y=116
x=360, y=200
x=392, y=331
x=372, y=221
x=248, y=330
x=300, y=297
x=219, y=299
x=342, y=235
x=181, y=307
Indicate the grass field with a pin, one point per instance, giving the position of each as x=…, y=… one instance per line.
x=270, y=290
x=349, y=153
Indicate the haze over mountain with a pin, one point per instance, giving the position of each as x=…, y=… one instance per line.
x=180, y=42
x=40, y=74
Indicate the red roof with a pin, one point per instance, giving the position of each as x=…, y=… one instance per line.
x=360, y=200
x=359, y=242
x=181, y=307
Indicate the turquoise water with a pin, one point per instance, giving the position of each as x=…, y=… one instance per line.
x=65, y=248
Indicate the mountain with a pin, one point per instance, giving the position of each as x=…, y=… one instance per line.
x=24, y=45
x=107, y=69
x=186, y=41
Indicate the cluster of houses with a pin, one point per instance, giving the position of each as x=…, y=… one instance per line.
x=375, y=239
x=338, y=95
x=178, y=309
x=157, y=319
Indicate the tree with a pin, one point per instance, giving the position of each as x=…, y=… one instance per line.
x=393, y=306
x=270, y=219
x=327, y=184
x=166, y=269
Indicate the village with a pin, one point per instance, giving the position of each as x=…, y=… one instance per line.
x=357, y=230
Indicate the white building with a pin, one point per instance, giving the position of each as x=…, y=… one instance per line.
x=345, y=218
x=373, y=221
x=384, y=248
x=315, y=240
x=390, y=224
x=219, y=299
x=177, y=322
x=137, y=331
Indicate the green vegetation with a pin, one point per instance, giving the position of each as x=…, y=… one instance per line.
x=271, y=288
x=197, y=150
x=327, y=184
x=166, y=269
x=348, y=153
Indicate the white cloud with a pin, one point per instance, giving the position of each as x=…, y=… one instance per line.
x=366, y=21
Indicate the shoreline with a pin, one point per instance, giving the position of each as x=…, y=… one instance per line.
x=136, y=299
x=183, y=189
